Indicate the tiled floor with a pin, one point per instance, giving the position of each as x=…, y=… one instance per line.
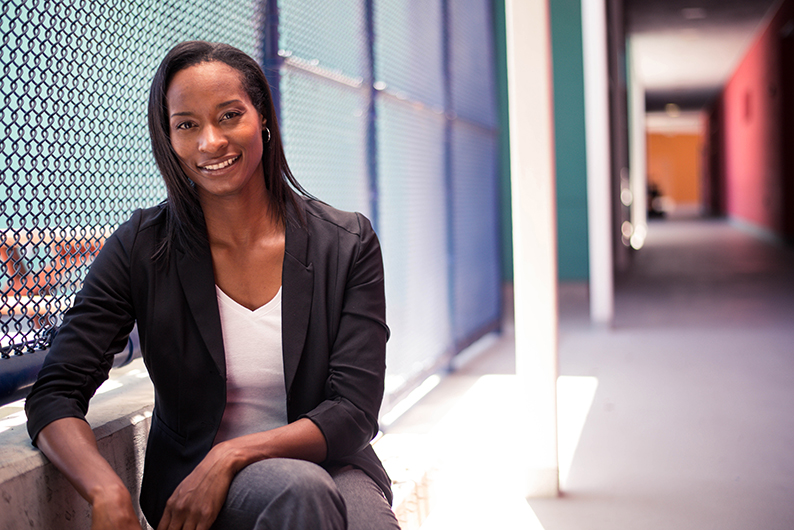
x=692, y=422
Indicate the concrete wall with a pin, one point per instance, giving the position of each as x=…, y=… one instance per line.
x=569, y=140
x=34, y=495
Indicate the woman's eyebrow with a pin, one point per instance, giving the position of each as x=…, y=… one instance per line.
x=218, y=106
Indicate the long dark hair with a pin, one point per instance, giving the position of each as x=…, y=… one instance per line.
x=185, y=225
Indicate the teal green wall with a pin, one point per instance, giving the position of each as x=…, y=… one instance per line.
x=569, y=139
x=500, y=55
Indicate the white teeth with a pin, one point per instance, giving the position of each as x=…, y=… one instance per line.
x=222, y=165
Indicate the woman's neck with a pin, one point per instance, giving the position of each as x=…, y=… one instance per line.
x=241, y=220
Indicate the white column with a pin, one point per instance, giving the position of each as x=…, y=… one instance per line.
x=638, y=168
x=534, y=239
x=599, y=211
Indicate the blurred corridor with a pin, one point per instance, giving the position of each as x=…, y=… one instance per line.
x=691, y=424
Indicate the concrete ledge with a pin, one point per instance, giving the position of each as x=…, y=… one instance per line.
x=34, y=495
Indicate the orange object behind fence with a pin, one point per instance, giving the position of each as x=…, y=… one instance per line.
x=41, y=288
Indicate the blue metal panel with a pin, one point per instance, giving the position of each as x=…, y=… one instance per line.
x=324, y=100
x=473, y=185
x=372, y=128
x=475, y=231
x=408, y=49
x=413, y=233
x=472, y=76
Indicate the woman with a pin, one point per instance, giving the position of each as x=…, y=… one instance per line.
x=261, y=316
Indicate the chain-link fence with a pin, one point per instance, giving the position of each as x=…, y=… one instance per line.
x=75, y=147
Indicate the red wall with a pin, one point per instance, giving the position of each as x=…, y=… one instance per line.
x=751, y=106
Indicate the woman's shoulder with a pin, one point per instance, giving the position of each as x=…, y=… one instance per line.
x=320, y=213
x=150, y=217
x=141, y=232
x=143, y=219
x=336, y=232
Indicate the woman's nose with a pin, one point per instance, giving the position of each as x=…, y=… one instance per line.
x=211, y=140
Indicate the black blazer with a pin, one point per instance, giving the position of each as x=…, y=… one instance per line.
x=333, y=333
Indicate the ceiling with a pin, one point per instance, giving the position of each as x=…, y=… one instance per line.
x=685, y=50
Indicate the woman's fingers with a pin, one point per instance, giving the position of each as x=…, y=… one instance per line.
x=196, y=502
x=197, y=517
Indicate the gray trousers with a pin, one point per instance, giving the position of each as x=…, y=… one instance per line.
x=281, y=493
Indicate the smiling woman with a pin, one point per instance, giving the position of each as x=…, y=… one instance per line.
x=261, y=317
x=217, y=135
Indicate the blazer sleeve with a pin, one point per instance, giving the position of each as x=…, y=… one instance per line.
x=94, y=329
x=348, y=417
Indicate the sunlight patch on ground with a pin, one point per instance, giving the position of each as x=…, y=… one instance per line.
x=575, y=396
x=478, y=484
x=12, y=415
x=479, y=450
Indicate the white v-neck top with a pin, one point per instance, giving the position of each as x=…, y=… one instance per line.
x=256, y=396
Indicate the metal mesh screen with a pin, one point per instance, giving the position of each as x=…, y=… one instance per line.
x=324, y=101
x=409, y=50
x=471, y=63
x=409, y=73
x=476, y=300
x=413, y=228
x=324, y=127
x=75, y=147
x=475, y=230
x=327, y=35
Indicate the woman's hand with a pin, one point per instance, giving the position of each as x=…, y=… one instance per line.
x=114, y=511
x=196, y=502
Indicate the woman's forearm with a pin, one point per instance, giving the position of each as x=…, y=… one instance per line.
x=301, y=440
x=71, y=446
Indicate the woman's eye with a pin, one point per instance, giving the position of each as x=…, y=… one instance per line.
x=229, y=115
x=183, y=126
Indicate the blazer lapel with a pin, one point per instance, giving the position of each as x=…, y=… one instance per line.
x=297, y=289
x=198, y=283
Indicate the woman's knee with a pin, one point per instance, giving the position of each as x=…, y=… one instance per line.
x=285, y=493
x=367, y=507
x=303, y=479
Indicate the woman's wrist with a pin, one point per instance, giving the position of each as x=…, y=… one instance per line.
x=233, y=455
x=115, y=493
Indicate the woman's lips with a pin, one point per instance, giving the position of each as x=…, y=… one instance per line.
x=220, y=165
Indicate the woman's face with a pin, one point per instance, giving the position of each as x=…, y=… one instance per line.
x=216, y=131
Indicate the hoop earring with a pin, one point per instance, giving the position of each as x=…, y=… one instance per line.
x=268, y=135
